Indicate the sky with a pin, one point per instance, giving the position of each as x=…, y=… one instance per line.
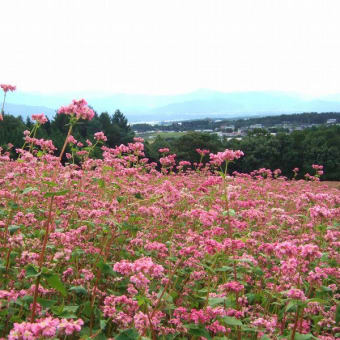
x=171, y=46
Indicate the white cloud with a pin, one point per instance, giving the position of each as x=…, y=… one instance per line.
x=170, y=46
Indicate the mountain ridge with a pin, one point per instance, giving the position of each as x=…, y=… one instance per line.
x=198, y=104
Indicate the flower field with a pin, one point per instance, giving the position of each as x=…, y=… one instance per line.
x=117, y=248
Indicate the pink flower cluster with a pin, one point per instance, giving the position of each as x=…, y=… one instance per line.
x=225, y=156
x=120, y=309
x=6, y=87
x=144, y=265
x=232, y=286
x=71, y=139
x=48, y=327
x=296, y=294
x=140, y=271
x=79, y=108
x=40, y=118
x=202, y=152
x=43, y=143
x=168, y=161
x=100, y=136
x=164, y=150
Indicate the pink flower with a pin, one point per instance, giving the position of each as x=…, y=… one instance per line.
x=296, y=294
x=7, y=88
x=71, y=139
x=202, y=152
x=77, y=108
x=40, y=118
x=99, y=136
x=225, y=156
x=232, y=286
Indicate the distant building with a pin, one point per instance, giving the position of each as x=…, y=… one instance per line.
x=256, y=126
x=227, y=127
x=331, y=121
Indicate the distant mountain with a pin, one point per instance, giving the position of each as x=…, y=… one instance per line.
x=26, y=110
x=197, y=104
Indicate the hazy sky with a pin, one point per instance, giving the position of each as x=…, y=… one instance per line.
x=171, y=46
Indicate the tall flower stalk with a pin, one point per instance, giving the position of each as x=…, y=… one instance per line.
x=78, y=109
x=5, y=88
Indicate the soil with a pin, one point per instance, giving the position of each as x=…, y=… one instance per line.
x=332, y=184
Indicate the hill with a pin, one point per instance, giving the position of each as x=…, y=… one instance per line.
x=197, y=104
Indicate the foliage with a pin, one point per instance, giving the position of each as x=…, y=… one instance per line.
x=113, y=248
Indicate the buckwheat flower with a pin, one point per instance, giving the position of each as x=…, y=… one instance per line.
x=296, y=294
x=7, y=88
x=216, y=327
x=79, y=109
x=72, y=140
x=202, y=152
x=225, y=156
x=40, y=118
x=140, y=280
x=232, y=286
x=99, y=136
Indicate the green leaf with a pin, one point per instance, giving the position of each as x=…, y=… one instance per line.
x=320, y=301
x=291, y=307
x=258, y=271
x=120, y=199
x=87, y=309
x=31, y=271
x=265, y=337
x=309, y=336
x=78, y=290
x=46, y=303
x=67, y=312
x=254, y=298
x=224, y=269
x=232, y=321
x=198, y=330
x=337, y=314
x=129, y=334
x=102, y=324
x=29, y=189
x=128, y=226
x=326, y=289
x=54, y=281
x=105, y=268
x=56, y=193
x=13, y=228
x=50, y=184
x=138, y=195
x=13, y=205
x=71, y=309
x=216, y=301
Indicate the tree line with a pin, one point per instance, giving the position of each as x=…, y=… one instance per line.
x=268, y=121
x=286, y=151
